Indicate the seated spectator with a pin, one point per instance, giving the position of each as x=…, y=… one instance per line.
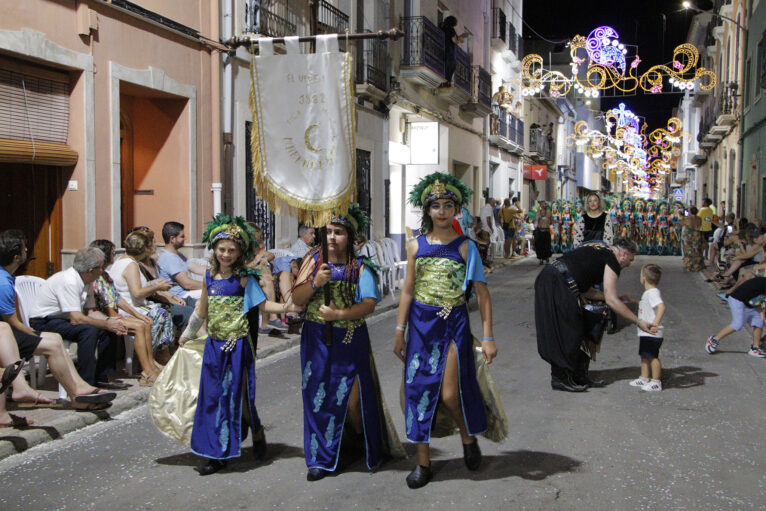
x=59, y=295
x=179, y=311
x=123, y=287
x=482, y=239
x=174, y=266
x=305, y=241
x=270, y=324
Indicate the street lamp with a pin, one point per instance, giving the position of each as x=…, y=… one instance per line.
x=688, y=5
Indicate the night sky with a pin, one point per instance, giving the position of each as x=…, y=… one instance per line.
x=638, y=22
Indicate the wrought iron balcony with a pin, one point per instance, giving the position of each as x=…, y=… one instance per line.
x=499, y=28
x=540, y=147
x=458, y=90
x=481, y=93
x=372, y=68
x=330, y=19
x=508, y=132
x=726, y=102
x=269, y=18
x=422, y=51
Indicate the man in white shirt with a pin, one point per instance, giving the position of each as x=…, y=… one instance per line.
x=61, y=305
x=487, y=216
x=304, y=242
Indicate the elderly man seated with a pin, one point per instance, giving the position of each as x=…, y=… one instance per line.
x=60, y=307
x=19, y=341
x=304, y=243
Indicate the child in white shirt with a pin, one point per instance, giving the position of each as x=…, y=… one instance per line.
x=651, y=309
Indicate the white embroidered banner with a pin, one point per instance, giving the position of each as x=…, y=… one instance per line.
x=303, y=137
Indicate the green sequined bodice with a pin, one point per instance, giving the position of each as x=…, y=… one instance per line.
x=312, y=309
x=226, y=319
x=439, y=281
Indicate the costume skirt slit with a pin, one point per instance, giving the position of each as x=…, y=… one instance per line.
x=329, y=373
x=427, y=348
x=218, y=431
x=558, y=320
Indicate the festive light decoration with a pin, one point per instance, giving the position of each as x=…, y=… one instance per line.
x=607, y=68
x=643, y=161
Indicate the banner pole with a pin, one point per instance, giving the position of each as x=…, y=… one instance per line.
x=394, y=34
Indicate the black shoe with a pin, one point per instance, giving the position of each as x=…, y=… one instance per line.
x=315, y=474
x=472, y=455
x=211, y=467
x=596, y=384
x=566, y=384
x=419, y=477
x=259, y=446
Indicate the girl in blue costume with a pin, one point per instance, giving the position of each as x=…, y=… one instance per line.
x=339, y=382
x=227, y=379
x=438, y=355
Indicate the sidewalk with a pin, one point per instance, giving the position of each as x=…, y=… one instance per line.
x=51, y=424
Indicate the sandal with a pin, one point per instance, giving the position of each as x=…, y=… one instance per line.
x=56, y=403
x=17, y=422
x=96, y=398
x=89, y=407
x=10, y=374
x=146, y=380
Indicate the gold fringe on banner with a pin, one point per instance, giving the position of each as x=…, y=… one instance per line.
x=307, y=213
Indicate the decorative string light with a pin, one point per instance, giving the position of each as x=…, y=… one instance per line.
x=607, y=68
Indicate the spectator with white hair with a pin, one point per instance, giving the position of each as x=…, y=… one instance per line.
x=305, y=241
x=60, y=307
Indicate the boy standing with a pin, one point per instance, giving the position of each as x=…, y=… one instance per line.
x=650, y=309
x=743, y=308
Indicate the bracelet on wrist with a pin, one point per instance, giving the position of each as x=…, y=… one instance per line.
x=401, y=328
x=488, y=339
x=311, y=283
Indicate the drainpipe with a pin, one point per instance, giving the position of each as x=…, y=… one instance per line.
x=485, y=122
x=227, y=99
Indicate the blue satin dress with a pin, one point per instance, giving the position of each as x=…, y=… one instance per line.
x=438, y=317
x=329, y=372
x=218, y=431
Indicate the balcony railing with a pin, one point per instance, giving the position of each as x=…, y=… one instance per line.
x=372, y=61
x=499, y=25
x=330, y=19
x=269, y=18
x=728, y=100
x=461, y=78
x=423, y=44
x=512, y=39
x=540, y=144
x=510, y=127
x=482, y=86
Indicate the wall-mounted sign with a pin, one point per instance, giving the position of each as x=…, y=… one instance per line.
x=424, y=143
x=536, y=172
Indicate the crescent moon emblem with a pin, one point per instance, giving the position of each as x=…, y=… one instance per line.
x=307, y=139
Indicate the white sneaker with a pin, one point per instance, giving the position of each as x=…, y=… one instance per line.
x=639, y=382
x=756, y=351
x=653, y=386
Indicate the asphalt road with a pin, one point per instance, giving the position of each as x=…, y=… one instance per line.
x=696, y=445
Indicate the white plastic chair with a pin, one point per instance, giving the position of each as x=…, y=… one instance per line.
x=399, y=266
x=497, y=240
x=27, y=287
x=386, y=270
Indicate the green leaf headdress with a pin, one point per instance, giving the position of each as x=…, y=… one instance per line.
x=225, y=227
x=439, y=186
x=356, y=219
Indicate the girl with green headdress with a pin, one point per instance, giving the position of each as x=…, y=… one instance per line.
x=227, y=380
x=442, y=267
x=342, y=403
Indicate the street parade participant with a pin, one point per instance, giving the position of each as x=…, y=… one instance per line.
x=556, y=227
x=227, y=381
x=651, y=228
x=563, y=338
x=340, y=382
x=663, y=230
x=594, y=224
x=442, y=267
x=676, y=228
x=542, y=234
x=626, y=222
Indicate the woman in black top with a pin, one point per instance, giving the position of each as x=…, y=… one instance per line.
x=451, y=39
x=559, y=316
x=594, y=224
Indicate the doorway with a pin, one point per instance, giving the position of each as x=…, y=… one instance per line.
x=31, y=202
